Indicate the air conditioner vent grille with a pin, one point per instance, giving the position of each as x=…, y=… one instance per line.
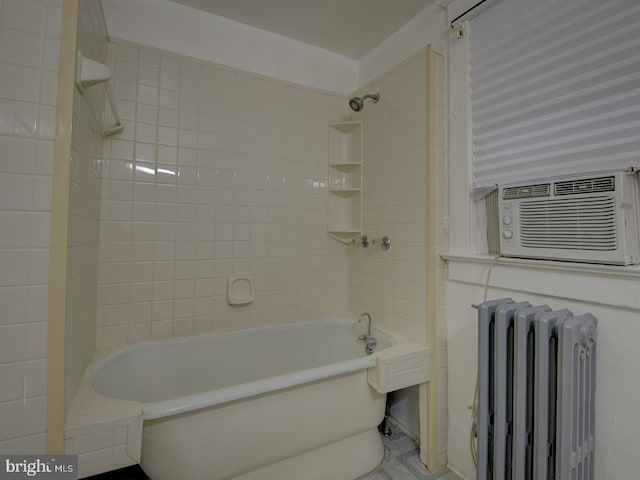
x=585, y=223
x=587, y=185
x=526, y=191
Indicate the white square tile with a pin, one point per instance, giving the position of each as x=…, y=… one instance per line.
x=49, y=87
x=167, y=154
x=169, y=99
x=148, y=58
x=189, y=102
x=146, y=133
x=18, y=118
x=125, y=52
x=141, y=291
x=138, y=331
x=168, y=117
x=183, y=314
x=149, y=75
x=147, y=113
x=36, y=341
x=25, y=15
x=14, y=267
x=12, y=341
x=168, y=136
x=165, y=194
x=145, y=151
x=116, y=315
x=188, y=120
x=16, y=229
x=162, y=328
x=144, y=192
x=147, y=94
x=188, y=138
x=20, y=48
x=169, y=79
x=145, y=172
x=170, y=63
x=42, y=186
x=125, y=70
x=37, y=303
x=38, y=266
x=35, y=377
x=18, y=155
x=19, y=83
x=124, y=90
x=14, y=305
x=11, y=419
x=140, y=312
x=12, y=381
x=142, y=271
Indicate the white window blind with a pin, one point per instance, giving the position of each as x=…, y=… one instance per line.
x=555, y=88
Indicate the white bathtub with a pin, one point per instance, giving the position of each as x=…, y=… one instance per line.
x=284, y=403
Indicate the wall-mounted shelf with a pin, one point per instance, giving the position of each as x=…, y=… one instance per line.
x=345, y=181
x=91, y=73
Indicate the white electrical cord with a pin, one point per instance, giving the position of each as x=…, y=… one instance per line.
x=473, y=437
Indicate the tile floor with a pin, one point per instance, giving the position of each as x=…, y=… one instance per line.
x=401, y=462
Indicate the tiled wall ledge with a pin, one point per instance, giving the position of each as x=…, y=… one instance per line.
x=608, y=285
x=400, y=366
x=105, y=433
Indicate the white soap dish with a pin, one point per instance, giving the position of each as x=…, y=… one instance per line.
x=239, y=290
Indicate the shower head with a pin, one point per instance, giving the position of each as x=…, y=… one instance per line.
x=357, y=103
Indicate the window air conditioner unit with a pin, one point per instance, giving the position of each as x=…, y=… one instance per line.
x=591, y=219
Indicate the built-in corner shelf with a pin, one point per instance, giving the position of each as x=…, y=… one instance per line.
x=345, y=181
x=90, y=73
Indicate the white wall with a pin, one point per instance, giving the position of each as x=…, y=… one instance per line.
x=426, y=28
x=29, y=39
x=161, y=24
x=391, y=285
x=84, y=205
x=609, y=293
x=220, y=40
x=217, y=173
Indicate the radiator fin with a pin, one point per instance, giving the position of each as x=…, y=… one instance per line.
x=536, y=391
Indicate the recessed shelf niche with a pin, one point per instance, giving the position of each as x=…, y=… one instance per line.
x=345, y=180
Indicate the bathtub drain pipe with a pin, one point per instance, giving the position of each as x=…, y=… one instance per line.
x=384, y=428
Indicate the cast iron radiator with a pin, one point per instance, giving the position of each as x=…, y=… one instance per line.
x=536, y=392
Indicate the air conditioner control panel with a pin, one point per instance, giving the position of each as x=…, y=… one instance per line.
x=506, y=225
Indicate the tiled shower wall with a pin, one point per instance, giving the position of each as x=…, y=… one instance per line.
x=29, y=40
x=391, y=285
x=84, y=203
x=217, y=173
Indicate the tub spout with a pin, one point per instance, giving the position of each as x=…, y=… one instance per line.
x=360, y=318
x=369, y=341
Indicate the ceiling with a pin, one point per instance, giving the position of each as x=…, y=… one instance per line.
x=348, y=27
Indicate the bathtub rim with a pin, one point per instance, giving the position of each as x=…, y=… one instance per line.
x=197, y=401
x=188, y=403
